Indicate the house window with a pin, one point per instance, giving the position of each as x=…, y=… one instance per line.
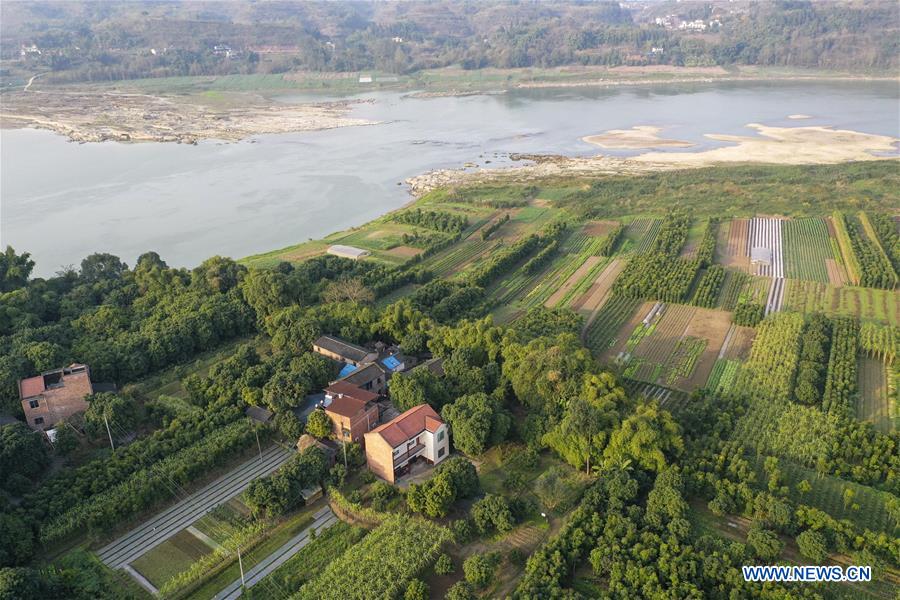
x=440, y=435
x=39, y=421
x=441, y=452
x=33, y=403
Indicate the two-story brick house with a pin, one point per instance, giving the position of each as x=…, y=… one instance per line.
x=419, y=433
x=56, y=395
x=353, y=411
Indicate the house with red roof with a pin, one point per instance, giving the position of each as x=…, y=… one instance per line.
x=54, y=396
x=417, y=434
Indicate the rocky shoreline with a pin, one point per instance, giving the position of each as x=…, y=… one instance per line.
x=86, y=117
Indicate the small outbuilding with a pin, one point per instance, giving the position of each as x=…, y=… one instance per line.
x=348, y=251
x=760, y=255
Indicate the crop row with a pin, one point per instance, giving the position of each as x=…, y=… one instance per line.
x=145, y=487
x=841, y=384
x=610, y=318
x=806, y=247
x=773, y=358
x=707, y=292
x=382, y=564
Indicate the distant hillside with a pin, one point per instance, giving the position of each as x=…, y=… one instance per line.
x=91, y=41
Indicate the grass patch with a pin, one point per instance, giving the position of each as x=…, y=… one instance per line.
x=277, y=537
x=171, y=557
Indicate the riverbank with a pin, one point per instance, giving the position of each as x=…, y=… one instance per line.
x=772, y=145
x=235, y=107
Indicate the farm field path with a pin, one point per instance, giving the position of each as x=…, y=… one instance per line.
x=713, y=326
x=164, y=525
x=593, y=299
x=731, y=246
x=572, y=281
x=322, y=520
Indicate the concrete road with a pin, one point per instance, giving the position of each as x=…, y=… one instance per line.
x=158, y=529
x=323, y=520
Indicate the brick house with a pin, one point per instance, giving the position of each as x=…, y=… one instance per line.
x=418, y=433
x=56, y=395
x=353, y=411
x=341, y=351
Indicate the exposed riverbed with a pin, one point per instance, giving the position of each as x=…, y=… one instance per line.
x=62, y=201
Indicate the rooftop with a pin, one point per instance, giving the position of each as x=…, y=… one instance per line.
x=347, y=251
x=409, y=424
x=342, y=348
x=364, y=375
x=37, y=385
x=347, y=400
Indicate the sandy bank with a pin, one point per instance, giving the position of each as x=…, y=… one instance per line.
x=779, y=145
x=103, y=116
x=641, y=136
x=784, y=145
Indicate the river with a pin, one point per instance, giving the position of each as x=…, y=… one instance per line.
x=62, y=201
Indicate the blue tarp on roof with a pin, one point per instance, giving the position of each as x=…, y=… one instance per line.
x=346, y=370
x=391, y=363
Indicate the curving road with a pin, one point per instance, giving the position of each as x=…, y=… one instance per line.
x=158, y=529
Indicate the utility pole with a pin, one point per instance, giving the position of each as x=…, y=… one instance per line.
x=346, y=468
x=241, y=564
x=258, y=444
x=113, y=446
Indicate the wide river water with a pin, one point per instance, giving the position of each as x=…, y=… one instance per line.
x=62, y=201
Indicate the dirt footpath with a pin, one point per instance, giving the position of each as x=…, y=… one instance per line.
x=572, y=281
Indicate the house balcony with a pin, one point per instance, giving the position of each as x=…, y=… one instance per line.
x=404, y=458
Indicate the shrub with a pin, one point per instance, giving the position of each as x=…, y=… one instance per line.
x=812, y=545
x=318, y=424
x=416, y=590
x=492, y=512
x=463, y=530
x=444, y=565
x=479, y=568
x=749, y=314
x=765, y=543
x=460, y=591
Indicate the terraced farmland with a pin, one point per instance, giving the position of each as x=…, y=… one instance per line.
x=807, y=246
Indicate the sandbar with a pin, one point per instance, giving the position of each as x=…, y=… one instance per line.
x=641, y=136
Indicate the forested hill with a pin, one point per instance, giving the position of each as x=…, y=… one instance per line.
x=89, y=41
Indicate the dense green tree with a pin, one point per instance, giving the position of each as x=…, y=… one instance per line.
x=416, y=590
x=480, y=568
x=102, y=267
x=477, y=421
x=16, y=541
x=581, y=435
x=318, y=424
x=765, y=543
x=650, y=438
x=461, y=590
x=418, y=386
x=812, y=545
x=546, y=373
x=22, y=452
x=443, y=565
x=106, y=407
x=493, y=513
x=15, y=269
